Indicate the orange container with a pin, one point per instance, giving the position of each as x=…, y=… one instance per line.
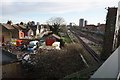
x=19, y=42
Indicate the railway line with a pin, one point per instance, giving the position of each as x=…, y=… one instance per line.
x=91, y=38
x=92, y=52
x=87, y=48
x=86, y=36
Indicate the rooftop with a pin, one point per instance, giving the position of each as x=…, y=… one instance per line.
x=8, y=26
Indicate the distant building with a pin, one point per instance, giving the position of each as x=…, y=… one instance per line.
x=91, y=27
x=70, y=24
x=81, y=23
x=85, y=23
x=101, y=28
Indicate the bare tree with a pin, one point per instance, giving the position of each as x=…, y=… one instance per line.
x=56, y=21
x=55, y=24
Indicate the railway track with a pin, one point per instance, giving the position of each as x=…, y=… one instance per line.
x=88, y=49
x=87, y=36
x=92, y=52
x=91, y=38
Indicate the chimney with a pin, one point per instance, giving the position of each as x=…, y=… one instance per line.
x=9, y=22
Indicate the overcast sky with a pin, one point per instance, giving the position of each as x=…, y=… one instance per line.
x=41, y=10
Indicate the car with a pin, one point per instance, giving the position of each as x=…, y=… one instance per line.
x=33, y=45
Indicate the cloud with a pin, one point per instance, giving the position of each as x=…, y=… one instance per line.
x=59, y=0
x=13, y=8
x=52, y=6
x=20, y=7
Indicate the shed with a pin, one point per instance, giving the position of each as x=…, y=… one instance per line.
x=51, y=39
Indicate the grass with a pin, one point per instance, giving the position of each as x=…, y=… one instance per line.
x=66, y=39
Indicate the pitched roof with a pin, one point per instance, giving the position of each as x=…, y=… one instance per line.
x=22, y=26
x=56, y=36
x=16, y=26
x=8, y=26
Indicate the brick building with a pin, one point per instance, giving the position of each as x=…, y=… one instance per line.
x=91, y=27
x=109, y=33
x=101, y=28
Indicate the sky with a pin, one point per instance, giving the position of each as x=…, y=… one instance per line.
x=41, y=10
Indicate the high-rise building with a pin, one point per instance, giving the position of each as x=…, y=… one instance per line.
x=81, y=22
x=85, y=23
x=70, y=24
